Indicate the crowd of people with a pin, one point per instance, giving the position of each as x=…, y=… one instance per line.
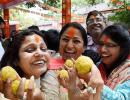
x=39, y=55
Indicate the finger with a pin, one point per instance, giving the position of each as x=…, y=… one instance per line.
x=38, y=95
x=72, y=73
x=73, y=60
x=30, y=89
x=63, y=82
x=20, y=91
x=1, y=84
x=67, y=68
x=8, y=89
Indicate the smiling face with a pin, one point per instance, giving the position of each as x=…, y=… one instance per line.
x=95, y=25
x=71, y=44
x=33, y=56
x=108, y=50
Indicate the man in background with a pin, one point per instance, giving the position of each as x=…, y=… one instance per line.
x=95, y=23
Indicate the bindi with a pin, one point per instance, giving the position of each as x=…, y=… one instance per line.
x=93, y=17
x=106, y=39
x=37, y=38
x=71, y=32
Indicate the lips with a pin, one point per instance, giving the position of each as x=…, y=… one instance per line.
x=69, y=54
x=104, y=56
x=39, y=63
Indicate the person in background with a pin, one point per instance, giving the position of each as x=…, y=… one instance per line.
x=95, y=24
x=2, y=22
x=34, y=27
x=27, y=54
x=114, y=67
x=51, y=38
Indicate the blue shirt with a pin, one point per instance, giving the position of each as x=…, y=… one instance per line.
x=121, y=92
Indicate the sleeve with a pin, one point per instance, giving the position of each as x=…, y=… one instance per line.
x=50, y=86
x=121, y=92
x=2, y=97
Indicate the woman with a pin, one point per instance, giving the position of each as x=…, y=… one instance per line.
x=72, y=42
x=114, y=49
x=27, y=54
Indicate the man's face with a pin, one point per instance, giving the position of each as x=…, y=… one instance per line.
x=95, y=26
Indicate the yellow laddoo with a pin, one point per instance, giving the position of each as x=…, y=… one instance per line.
x=15, y=85
x=83, y=64
x=69, y=63
x=8, y=72
x=63, y=74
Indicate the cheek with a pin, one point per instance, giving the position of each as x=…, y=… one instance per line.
x=80, y=49
x=115, y=54
x=61, y=46
x=47, y=57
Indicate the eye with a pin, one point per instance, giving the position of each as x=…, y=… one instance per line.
x=30, y=50
x=111, y=45
x=98, y=19
x=90, y=21
x=76, y=41
x=65, y=39
x=44, y=49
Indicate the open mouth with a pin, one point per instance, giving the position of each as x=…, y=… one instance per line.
x=39, y=63
x=70, y=54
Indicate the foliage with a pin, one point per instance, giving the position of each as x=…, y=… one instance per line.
x=29, y=5
x=86, y=2
x=54, y=3
x=123, y=15
x=94, y=2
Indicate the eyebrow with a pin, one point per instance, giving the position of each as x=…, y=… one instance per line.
x=75, y=37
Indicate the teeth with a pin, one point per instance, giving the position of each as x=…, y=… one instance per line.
x=39, y=62
x=70, y=52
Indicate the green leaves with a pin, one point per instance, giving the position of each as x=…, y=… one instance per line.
x=123, y=15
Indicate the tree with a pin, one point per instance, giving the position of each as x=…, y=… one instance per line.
x=123, y=14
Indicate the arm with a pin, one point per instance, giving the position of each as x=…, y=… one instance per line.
x=121, y=92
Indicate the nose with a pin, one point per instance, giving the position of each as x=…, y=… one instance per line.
x=39, y=53
x=70, y=44
x=94, y=21
x=103, y=48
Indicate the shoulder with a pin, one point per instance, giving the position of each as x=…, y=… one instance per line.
x=50, y=77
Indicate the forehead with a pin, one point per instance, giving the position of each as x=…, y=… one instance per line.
x=72, y=32
x=33, y=38
x=95, y=16
x=106, y=39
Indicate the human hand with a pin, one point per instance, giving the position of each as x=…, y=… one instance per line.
x=97, y=82
x=32, y=92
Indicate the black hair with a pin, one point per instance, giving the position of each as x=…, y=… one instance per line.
x=11, y=55
x=77, y=26
x=121, y=36
x=34, y=27
x=51, y=38
x=2, y=20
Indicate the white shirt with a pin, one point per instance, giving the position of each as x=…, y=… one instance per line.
x=1, y=51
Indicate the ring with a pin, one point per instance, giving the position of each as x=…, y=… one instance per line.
x=91, y=90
